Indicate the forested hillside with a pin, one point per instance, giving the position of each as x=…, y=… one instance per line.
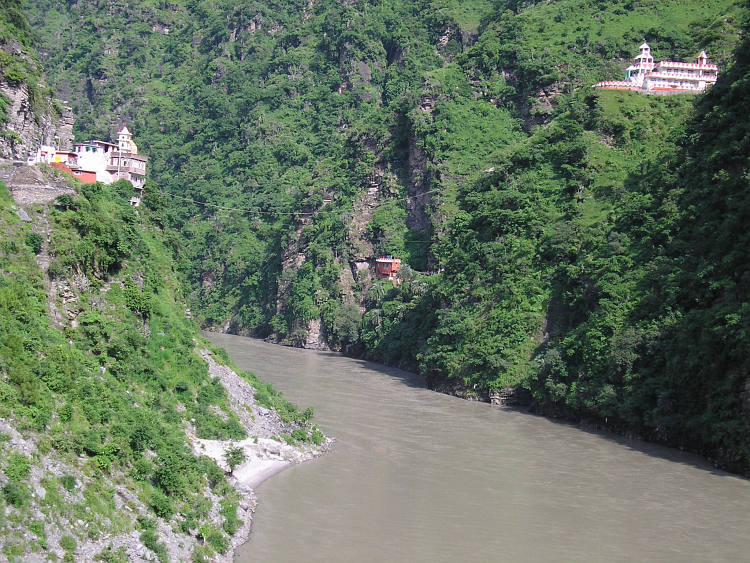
x=105, y=397
x=583, y=245
x=109, y=397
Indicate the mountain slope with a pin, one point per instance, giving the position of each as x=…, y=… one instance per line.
x=292, y=144
x=116, y=423
x=105, y=397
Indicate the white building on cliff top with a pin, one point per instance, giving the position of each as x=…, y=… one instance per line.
x=100, y=161
x=666, y=76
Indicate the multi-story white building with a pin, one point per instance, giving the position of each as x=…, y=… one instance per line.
x=644, y=75
x=100, y=161
x=125, y=163
x=94, y=156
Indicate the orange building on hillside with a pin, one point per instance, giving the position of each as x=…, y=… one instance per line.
x=386, y=267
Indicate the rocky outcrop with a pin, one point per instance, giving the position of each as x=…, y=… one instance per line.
x=264, y=452
x=29, y=184
x=315, y=339
x=418, y=184
x=32, y=123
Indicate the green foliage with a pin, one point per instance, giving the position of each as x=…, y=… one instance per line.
x=229, y=512
x=107, y=388
x=37, y=527
x=34, y=242
x=234, y=457
x=137, y=300
x=111, y=555
x=387, y=226
x=316, y=436
x=214, y=537
x=103, y=233
x=13, y=23
x=267, y=396
x=17, y=467
x=203, y=554
x=68, y=482
x=342, y=323
x=16, y=494
x=161, y=505
x=68, y=543
x=19, y=66
x=150, y=538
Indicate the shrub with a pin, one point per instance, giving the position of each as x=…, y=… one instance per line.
x=65, y=202
x=213, y=472
x=287, y=438
x=18, y=467
x=229, y=512
x=14, y=550
x=111, y=555
x=16, y=494
x=214, y=537
x=141, y=436
x=141, y=470
x=68, y=482
x=37, y=528
x=317, y=437
x=34, y=242
x=161, y=505
x=103, y=463
x=65, y=413
x=234, y=457
x=68, y=543
x=203, y=554
x=170, y=475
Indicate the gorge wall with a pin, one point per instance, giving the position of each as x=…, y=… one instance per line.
x=536, y=216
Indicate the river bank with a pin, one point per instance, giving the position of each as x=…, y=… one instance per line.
x=264, y=451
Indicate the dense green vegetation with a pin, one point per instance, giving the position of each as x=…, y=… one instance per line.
x=108, y=392
x=570, y=227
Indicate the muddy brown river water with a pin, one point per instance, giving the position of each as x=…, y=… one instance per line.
x=420, y=476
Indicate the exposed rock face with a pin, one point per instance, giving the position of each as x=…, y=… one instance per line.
x=264, y=452
x=315, y=339
x=510, y=396
x=418, y=186
x=29, y=185
x=26, y=128
x=363, y=251
x=290, y=262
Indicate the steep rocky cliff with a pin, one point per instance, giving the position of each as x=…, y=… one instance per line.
x=29, y=113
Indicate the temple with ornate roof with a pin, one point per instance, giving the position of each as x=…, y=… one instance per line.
x=100, y=161
x=644, y=75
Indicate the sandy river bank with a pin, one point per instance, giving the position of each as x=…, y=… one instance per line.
x=265, y=453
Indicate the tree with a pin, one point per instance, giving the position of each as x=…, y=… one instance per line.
x=234, y=457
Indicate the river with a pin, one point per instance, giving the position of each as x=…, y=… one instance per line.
x=420, y=476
